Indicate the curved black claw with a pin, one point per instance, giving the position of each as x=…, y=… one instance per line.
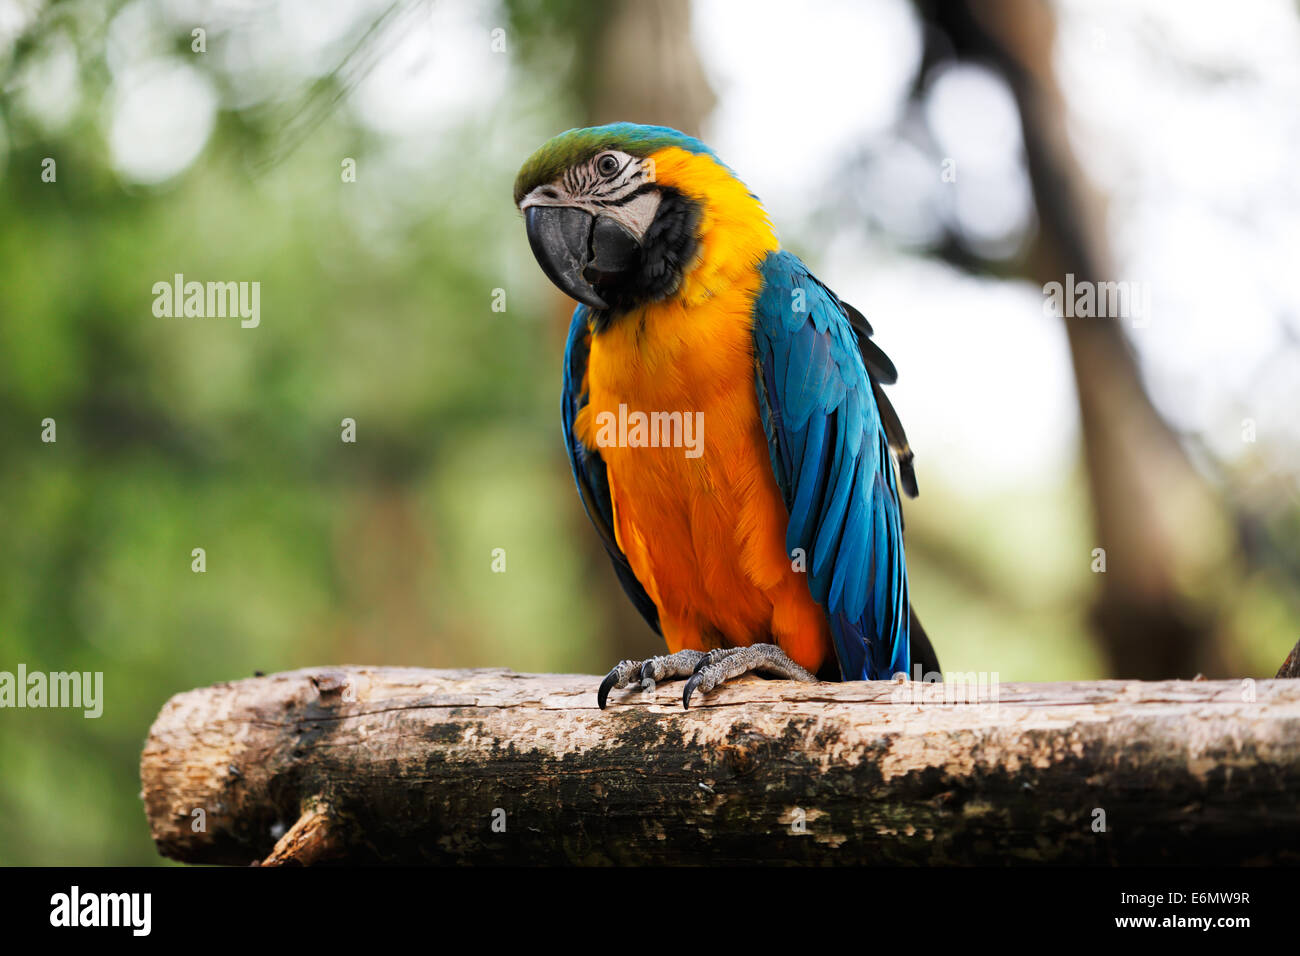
x=602, y=694
x=620, y=676
x=646, y=673
x=691, y=684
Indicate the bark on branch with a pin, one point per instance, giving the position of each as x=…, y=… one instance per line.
x=489, y=766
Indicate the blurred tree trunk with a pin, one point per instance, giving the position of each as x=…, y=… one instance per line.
x=646, y=68
x=1153, y=515
x=641, y=67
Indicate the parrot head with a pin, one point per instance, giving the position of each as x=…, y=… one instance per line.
x=622, y=215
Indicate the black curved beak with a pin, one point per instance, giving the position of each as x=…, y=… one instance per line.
x=582, y=254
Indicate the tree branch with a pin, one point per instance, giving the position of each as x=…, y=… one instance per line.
x=404, y=765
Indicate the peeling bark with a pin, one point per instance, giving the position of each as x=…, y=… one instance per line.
x=368, y=765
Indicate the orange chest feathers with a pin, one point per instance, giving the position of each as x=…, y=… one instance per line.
x=673, y=412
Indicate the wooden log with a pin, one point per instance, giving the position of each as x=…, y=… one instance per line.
x=487, y=766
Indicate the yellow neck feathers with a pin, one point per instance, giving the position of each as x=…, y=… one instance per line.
x=735, y=233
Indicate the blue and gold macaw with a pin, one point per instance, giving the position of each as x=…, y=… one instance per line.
x=724, y=419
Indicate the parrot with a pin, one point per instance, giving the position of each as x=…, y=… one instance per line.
x=756, y=522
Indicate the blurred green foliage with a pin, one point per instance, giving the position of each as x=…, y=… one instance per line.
x=178, y=433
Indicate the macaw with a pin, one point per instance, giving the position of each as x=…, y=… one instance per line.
x=772, y=543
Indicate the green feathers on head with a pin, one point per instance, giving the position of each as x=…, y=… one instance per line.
x=573, y=146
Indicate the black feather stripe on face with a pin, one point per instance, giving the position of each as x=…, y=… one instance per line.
x=627, y=197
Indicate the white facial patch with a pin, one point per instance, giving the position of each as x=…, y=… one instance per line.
x=611, y=183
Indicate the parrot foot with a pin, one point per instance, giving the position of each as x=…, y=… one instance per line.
x=721, y=665
x=665, y=667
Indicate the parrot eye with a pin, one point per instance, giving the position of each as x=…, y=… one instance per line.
x=607, y=165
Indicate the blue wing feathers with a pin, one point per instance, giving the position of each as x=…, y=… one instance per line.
x=832, y=462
